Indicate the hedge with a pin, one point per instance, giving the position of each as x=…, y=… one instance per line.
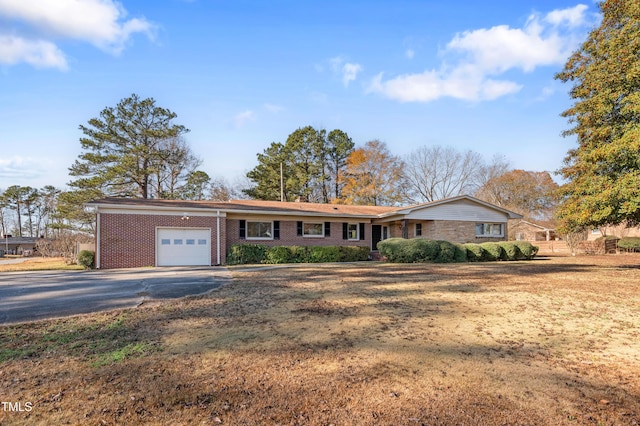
x=240, y=254
x=399, y=250
x=629, y=244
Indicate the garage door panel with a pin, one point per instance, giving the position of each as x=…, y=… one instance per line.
x=183, y=247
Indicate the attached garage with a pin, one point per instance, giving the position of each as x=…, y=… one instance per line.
x=183, y=247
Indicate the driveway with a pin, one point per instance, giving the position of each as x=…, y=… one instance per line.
x=28, y=296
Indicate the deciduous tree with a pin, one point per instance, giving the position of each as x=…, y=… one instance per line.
x=434, y=173
x=532, y=194
x=603, y=172
x=373, y=176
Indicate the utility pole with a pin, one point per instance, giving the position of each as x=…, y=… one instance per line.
x=281, y=184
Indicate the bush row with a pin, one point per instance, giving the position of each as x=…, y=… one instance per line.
x=416, y=250
x=629, y=244
x=240, y=254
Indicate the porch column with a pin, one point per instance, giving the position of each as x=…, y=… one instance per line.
x=405, y=228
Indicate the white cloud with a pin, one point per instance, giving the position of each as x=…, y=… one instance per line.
x=346, y=70
x=23, y=169
x=410, y=53
x=101, y=23
x=479, y=56
x=39, y=53
x=573, y=17
x=272, y=108
x=243, y=118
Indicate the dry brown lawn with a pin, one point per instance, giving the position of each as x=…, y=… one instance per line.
x=547, y=342
x=40, y=264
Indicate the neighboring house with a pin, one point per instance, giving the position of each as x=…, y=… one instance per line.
x=522, y=230
x=619, y=231
x=138, y=232
x=17, y=245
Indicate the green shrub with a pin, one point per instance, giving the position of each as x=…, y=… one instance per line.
x=492, y=251
x=423, y=250
x=460, y=252
x=299, y=254
x=475, y=252
x=446, y=252
x=394, y=249
x=279, y=254
x=242, y=254
x=324, y=254
x=527, y=249
x=512, y=252
x=353, y=254
x=629, y=244
x=86, y=258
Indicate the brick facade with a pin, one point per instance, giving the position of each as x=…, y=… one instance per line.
x=447, y=230
x=129, y=240
x=289, y=233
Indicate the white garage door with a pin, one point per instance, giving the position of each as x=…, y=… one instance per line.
x=183, y=246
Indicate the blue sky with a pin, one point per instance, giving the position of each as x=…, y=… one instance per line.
x=242, y=74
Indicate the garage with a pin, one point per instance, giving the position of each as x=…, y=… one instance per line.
x=183, y=247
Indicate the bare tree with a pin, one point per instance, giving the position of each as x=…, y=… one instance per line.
x=434, y=173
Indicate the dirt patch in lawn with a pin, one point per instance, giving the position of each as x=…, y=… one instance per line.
x=549, y=342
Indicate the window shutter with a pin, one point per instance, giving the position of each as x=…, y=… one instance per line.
x=299, y=229
x=362, y=231
x=243, y=229
x=327, y=229
x=345, y=231
x=276, y=229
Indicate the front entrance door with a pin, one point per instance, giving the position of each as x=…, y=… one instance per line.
x=376, y=236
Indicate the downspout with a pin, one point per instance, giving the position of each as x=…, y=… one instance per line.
x=98, y=240
x=218, y=237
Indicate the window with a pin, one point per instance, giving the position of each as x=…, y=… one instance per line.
x=260, y=230
x=385, y=232
x=191, y=242
x=352, y=231
x=418, y=230
x=165, y=242
x=202, y=242
x=177, y=242
x=489, y=230
x=313, y=229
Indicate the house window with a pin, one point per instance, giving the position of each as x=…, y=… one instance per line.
x=191, y=242
x=202, y=242
x=418, y=232
x=313, y=229
x=385, y=232
x=260, y=230
x=352, y=232
x=177, y=242
x=489, y=230
x=165, y=242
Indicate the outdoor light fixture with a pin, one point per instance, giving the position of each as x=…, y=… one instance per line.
x=185, y=216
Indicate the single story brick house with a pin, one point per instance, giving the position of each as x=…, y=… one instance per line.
x=138, y=232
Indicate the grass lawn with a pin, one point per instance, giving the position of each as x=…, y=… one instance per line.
x=547, y=342
x=40, y=264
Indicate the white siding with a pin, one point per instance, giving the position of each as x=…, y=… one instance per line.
x=462, y=210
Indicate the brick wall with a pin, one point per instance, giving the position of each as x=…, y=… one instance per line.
x=447, y=230
x=129, y=240
x=289, y=236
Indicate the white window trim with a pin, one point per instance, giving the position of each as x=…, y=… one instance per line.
x=312, y=223
x=258, y=238
x=501, y=235
x=357, y=238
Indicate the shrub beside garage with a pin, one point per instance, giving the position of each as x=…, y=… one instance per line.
x=400, y=250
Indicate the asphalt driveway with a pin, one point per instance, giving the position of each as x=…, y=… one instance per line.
x=28, y=296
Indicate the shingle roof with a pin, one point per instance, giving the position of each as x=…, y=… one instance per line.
x=251, y=205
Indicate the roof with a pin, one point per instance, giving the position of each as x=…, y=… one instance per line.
x=288, y=208
x=250, y=206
